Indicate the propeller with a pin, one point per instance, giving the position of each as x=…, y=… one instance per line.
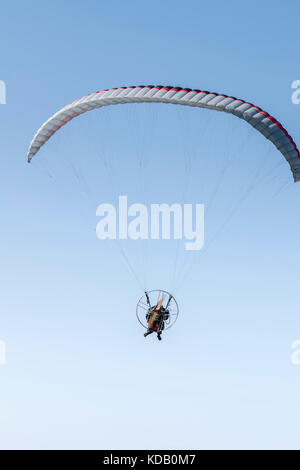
x=155, y=314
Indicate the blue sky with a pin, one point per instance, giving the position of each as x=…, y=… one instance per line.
x=78, y=372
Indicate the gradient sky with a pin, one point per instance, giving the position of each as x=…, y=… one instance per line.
x=78, y=372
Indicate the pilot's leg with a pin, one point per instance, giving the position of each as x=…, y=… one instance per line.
x=148, y=332
x=160, y=329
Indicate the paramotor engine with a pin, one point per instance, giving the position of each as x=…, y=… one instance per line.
x=150, y=299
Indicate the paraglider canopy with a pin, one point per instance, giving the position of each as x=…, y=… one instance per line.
x=262, y=121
